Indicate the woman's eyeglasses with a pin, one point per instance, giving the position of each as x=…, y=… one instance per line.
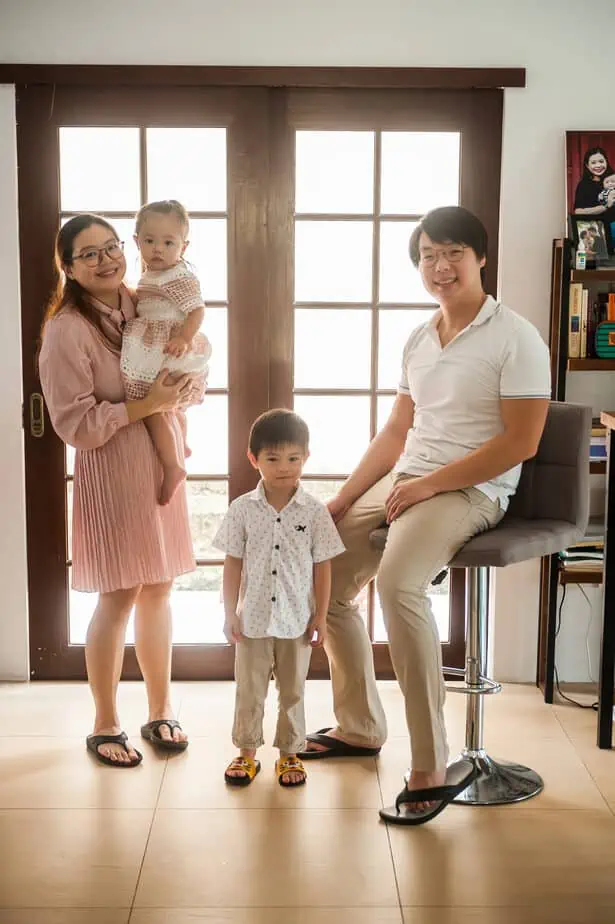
x=93, y=255
x=450, y=254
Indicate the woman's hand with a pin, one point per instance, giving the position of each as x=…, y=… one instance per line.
x=167, y=394
x=406, y=494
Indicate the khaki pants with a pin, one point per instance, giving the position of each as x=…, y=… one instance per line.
x=420, y=543
x=255, y=660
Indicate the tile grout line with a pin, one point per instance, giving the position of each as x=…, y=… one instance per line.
x=149, y=834
x=580, y=756
x=388, y=837
x=151, y=827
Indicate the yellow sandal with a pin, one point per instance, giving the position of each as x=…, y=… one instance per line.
x=290, y=765
x=249, y=768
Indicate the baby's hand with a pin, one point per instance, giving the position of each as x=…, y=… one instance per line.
x=610, y=198
x=177, y=346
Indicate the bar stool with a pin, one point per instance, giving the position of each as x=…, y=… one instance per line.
x=549, y=512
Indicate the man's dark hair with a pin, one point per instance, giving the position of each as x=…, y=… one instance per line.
x=278, y=427
x=451, y=224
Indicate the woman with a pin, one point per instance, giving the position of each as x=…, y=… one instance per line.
x=125, y=546
x=586, y=198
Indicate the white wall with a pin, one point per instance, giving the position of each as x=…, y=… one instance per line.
x=560, y=42
x=13, y=566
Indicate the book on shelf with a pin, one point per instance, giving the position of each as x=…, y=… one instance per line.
x=575, y=307
x=585, y=313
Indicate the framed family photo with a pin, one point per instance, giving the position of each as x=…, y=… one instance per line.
x=590, y=185
x=591, y=236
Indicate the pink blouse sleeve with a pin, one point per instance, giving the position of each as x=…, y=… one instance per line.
x=68, y=386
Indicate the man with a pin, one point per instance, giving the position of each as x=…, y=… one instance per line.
x=471, y=407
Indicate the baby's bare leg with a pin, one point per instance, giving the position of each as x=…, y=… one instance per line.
x=160, y=428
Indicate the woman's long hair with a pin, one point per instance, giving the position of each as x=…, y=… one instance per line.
x=587, y=174
x=69, y=293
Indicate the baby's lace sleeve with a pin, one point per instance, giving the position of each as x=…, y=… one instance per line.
x=185, y=292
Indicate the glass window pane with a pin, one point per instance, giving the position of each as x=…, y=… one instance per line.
x=323, y=490
x=334, y=172
x=69, y=520
x=440, y=606
x=206, y=255
x=215, y=327
x=80, y=611
x=420, y=171
x=339, y=431
x=196, y=604
x=188, y=164
x=70, y=460
x=208, y=436
x=207, y=504
x=99, y=169
x=197, y=607
x=332, y=347
x=384, y=406
x=394, y=328
x=333, y=261
x=400, y=282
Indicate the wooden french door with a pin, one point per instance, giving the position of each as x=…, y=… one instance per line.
x=301, y=204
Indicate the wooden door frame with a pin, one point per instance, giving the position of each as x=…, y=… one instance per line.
x=38, y=98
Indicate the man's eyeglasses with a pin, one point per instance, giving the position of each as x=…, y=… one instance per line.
x=451, y=255
x=93, y=255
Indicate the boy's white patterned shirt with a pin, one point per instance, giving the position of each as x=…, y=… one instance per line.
x=278, y=550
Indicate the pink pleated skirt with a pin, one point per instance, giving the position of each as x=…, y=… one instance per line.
x=121, y=536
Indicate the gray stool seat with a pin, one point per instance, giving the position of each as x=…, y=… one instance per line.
x=512, y=541
x=549, y=512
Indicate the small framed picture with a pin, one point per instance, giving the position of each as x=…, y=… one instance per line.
x=591, y=236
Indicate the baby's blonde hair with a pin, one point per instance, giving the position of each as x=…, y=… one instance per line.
x=163, y=207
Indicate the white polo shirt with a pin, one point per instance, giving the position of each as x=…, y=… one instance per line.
x=457, y=389
x=279, y=550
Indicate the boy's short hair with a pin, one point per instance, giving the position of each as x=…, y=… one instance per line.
x=278, y=427
x=450, y=224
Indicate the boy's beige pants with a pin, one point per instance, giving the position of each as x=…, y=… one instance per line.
x=255, y=661
x=420, y=543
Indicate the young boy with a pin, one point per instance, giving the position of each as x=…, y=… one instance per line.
x=278, y=541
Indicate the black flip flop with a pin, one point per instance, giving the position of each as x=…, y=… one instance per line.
x=151, y=732
x=94, y=741
x=458, y=777
x=335, y=747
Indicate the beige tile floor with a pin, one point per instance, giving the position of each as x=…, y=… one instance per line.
x=168, y=843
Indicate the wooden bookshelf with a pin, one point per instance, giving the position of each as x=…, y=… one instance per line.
x=577, y=576
x=595, y=275
x=591, y=365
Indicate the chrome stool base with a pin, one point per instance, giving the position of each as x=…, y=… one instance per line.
x=498, y=782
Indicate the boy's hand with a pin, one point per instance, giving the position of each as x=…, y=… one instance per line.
x=317, y=627
x=232, y=630
x=177, y=346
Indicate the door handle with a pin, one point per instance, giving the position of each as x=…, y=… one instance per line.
x=37, y=415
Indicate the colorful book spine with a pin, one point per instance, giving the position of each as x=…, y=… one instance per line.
x=575, y=311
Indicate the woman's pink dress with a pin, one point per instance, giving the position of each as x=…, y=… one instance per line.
x=121, y=536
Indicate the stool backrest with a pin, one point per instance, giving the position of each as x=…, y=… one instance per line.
x=554, y=484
